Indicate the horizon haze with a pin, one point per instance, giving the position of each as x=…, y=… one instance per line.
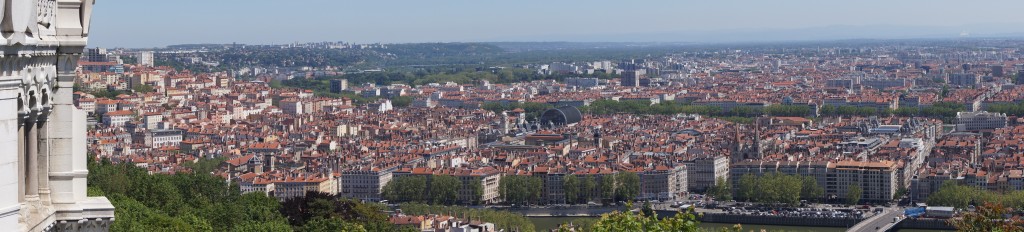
x=120, y=23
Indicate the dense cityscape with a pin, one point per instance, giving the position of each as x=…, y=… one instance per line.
x=448, y=116
x=882, y=123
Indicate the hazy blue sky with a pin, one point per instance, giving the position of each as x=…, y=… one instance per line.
x=149, y=23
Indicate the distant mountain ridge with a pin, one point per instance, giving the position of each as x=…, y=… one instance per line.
x=836, y=32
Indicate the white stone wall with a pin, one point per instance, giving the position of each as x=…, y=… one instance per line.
x=42, y=134
x=9, y=171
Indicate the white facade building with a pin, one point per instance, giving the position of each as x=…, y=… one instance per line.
x=703, y=173
x=144, y=58
x=981, y=120
x=42, y=134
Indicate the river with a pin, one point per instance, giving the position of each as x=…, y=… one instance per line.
x=548, y=223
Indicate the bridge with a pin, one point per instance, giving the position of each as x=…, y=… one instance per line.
x=884, y=221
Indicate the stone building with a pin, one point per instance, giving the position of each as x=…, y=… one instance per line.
x=978, y=121
x=42, y=134
x=705, y=172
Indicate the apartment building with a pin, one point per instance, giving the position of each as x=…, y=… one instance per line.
x=877, y=179
x=978, y=121
x=703, y=173
x=365, y=183
x=663, y=183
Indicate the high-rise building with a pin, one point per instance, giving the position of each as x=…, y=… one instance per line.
x=42, y=134
x=144, y=58
x=632, y=78
x=964, y=79
x=997, y=70
x=96, y=55
x=338, y=85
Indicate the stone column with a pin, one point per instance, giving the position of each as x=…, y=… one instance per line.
x=67, y=153
x=31, y=149
x=43, y=154
x=22, y=158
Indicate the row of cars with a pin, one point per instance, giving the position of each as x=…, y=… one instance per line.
x=797, y=212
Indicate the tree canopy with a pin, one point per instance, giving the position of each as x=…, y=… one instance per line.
x=775, y=188
x=200, y=201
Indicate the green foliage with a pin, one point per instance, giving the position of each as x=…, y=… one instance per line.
x=788, y=110
x=831, y=110
x=301, y=211
x=629, y=221
x=203, y=202
x=143, y=88
x=607, y=188
x=605, y=106
x=103, y=93
x=773, y=188
x=722, y=191
x=740, y=114
x=275, y=84
x=627, y=186
x=503, y=220
x=520, y=190
x=946, y=111
x=571, y=185
x=401, y=101
x=205, y=165
x=320, y=87
x=810, y=189
x=988, y=217
x=853, y=194
x=332, y=224
x=254, y=226
x=1008, y=108
x=589, y=186
x=179, y=202
x=444, y=189
x=406, y=189
x=952, y=193
x=533, y=109
x=478, y=190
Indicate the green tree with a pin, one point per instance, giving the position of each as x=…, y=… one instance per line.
x=589, y=186
x=157, y=202
x=988, y=217
x=406, y=189
x=143, y=88
x=520, y=190
x=444, y=189
x=747, y=187
x=401, y=101
x=853, y=194
x=607, y=188
x=478, y=191
x=627, y=185
x=722, y=190
x=571, y=185
x=810, y=190
x=332, y=224
x=629, y=222
x=270, y=226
